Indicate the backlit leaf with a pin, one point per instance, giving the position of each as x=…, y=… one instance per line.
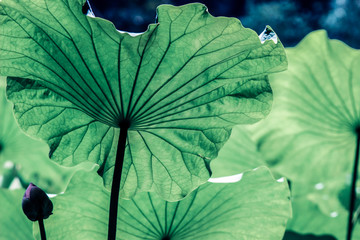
x=29, y=156
x=310, y=135
x=239, y=154
x=310, y=132
x=256, y=207
x=180, y=86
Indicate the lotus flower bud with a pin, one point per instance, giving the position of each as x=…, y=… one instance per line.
x=36, y=204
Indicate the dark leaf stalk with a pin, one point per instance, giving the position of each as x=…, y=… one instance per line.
x=351, y=222
x=115, y=187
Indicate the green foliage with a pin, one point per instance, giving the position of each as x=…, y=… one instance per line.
x=315, y=111
x=310, y=135
x=14, y=224
x=180, y=86
x=317, y=210
x=239, y=154
x=213, y=211
x=29, y=155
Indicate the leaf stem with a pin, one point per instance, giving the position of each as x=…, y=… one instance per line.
x=115, y=187
x=353, y=187
x=42, y=229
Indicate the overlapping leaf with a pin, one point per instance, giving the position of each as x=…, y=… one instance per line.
x=181, y=85
x=29, y=155
x=310, y=135
x=255, y=207
x=239, y=154
x=317, y=210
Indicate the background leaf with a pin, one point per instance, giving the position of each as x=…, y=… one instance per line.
x=29, y=156
x=239, y=154
x=255, y=207
x=181, y=85
x=14, y=224
x=315, y=111
x=310, y=135
x=317, y=210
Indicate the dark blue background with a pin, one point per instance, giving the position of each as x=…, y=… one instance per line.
x=291, y=20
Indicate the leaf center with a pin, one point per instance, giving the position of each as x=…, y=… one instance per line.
x=125, y=123
x=357, y=130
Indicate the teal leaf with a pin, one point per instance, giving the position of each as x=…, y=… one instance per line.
x=181, y=86
x=255, y=207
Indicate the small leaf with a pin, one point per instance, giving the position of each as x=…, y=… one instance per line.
x=255, y=207
x=181, y=85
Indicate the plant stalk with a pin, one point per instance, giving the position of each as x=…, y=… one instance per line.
x=353, y=188
x=42, y=229
x=115, y=187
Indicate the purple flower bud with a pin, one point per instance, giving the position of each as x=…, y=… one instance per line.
x=36, y=204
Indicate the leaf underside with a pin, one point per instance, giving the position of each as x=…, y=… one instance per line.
x=255, y=207
x=181, y=85
x=29, y=156
x=317, y=210
x=316, y=111
x=310, y=135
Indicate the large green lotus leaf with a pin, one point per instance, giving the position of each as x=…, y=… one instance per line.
x=181, y=86
x=239, y=154
x=29, y=155
x=13, y=222
x=310, y=133
x=255, y=207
